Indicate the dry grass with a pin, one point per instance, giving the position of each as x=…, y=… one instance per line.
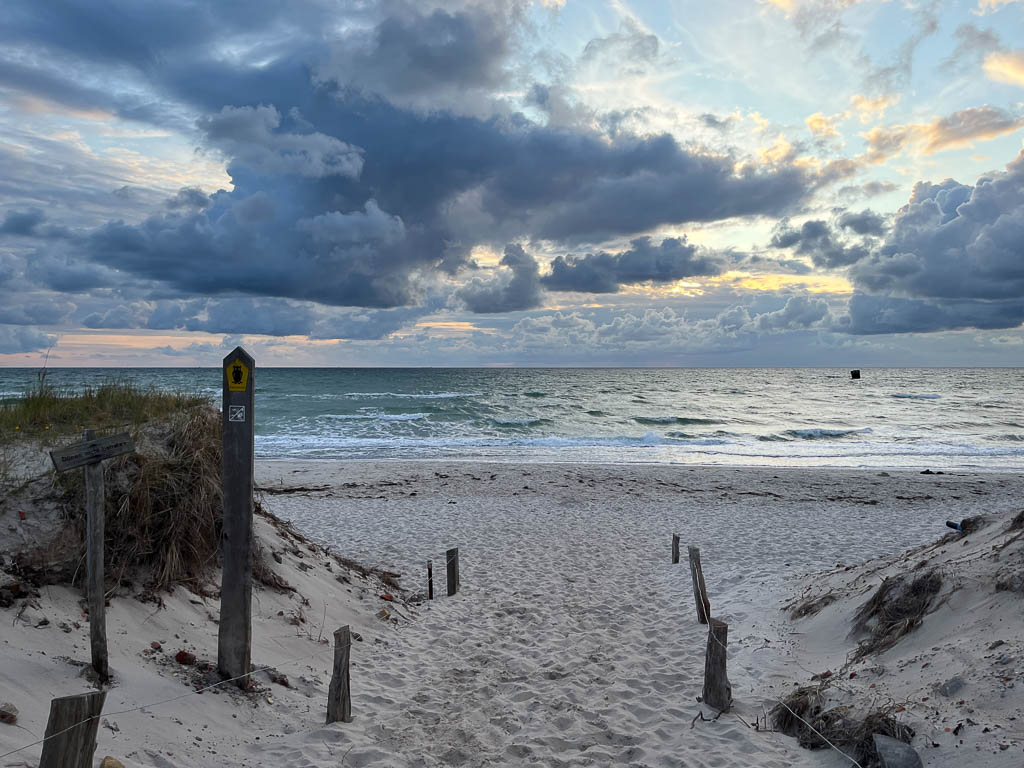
x=843, y=726
x=164, y=507
x=895, y=609
x=45, y=412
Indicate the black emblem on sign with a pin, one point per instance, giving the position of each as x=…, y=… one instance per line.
x=236, y=373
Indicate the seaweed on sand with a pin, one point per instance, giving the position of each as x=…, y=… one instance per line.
x=895, y=609
x=803, y=714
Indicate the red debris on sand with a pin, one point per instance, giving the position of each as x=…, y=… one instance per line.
x=386, y=596
x=155, y=646
x=184, y=657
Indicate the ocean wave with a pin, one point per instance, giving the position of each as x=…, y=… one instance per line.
x=376, y=416
x=596, y=413
x=414, y=395
x=672, y=420
x=911, y=396
x=519, y=422
x=824, y=434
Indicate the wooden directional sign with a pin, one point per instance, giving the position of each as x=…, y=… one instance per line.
x=91, y=451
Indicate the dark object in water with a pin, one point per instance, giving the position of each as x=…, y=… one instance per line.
x=855, y=373
x=954, y=526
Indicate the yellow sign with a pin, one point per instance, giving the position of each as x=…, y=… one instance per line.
x=238, y=376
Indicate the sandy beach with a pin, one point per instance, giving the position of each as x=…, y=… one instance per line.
x=573, y=641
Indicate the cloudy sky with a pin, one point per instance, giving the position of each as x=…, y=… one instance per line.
x=506, y=182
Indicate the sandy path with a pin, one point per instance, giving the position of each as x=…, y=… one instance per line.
x=573, y=641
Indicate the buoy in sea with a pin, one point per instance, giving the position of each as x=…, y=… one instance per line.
x=855, y=373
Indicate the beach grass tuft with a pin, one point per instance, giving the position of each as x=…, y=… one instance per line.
x=164, y=502
x=45, y=412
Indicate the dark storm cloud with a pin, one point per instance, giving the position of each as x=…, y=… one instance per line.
x=20, y=338
x=871, y=315
x=22, y=222
x=953, y=241
x=342, y=196
x=953, y=259
x=602, y=272
x=415, y=52
x=515, y=288
x=817, y=240
x=866, y=222
x=188, y=198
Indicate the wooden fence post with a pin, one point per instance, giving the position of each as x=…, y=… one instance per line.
x=95, y=512
x=717, y=690
x=700, y=592
x=90, y=454
x=430, y=579
x=74, y=747
x=339, y=699
x=453, y=571
x=234, y=636
x=675, y=548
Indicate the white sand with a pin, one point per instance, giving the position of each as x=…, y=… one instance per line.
x=573, y=642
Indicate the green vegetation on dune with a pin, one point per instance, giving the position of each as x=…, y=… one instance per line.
x=47, y=412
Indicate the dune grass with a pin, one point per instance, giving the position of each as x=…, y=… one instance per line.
x=46, y=412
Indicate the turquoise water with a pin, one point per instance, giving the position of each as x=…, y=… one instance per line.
x=903, y=418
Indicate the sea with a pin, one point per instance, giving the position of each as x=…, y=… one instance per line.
x=903, y=418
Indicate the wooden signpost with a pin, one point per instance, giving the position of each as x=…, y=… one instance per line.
x=235, y=632
x=90, y=454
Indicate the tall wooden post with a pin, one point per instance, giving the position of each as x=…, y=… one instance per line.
x=452, y=558
x=95, y=512
x=717, y=690
x=234, y=639
x=72, y=747
x=430, y=579
x=675, y=548
x=339, y=697
x=700, y=592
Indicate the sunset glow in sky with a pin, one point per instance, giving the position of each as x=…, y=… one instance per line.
x=505, y=182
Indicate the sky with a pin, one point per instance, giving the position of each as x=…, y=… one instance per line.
x=512, y=183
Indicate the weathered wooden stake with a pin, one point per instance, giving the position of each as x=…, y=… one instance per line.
x=717, y=690
x=339, y=699
x=95, y=502
x=73, y=748
x=675, y=548
x=430, y=579
x=90, y=454
x=234, y=639
x=453, y=571
x=700, y=592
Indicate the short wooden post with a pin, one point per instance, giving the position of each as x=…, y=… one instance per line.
x=95, y=503
x=90, y=454
x=339, y=699
x=675, y=548
x=700, y=592
x=79, y=719
x=234, y=638
x=717, y=690
x=453, y=571
x=430, y=579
